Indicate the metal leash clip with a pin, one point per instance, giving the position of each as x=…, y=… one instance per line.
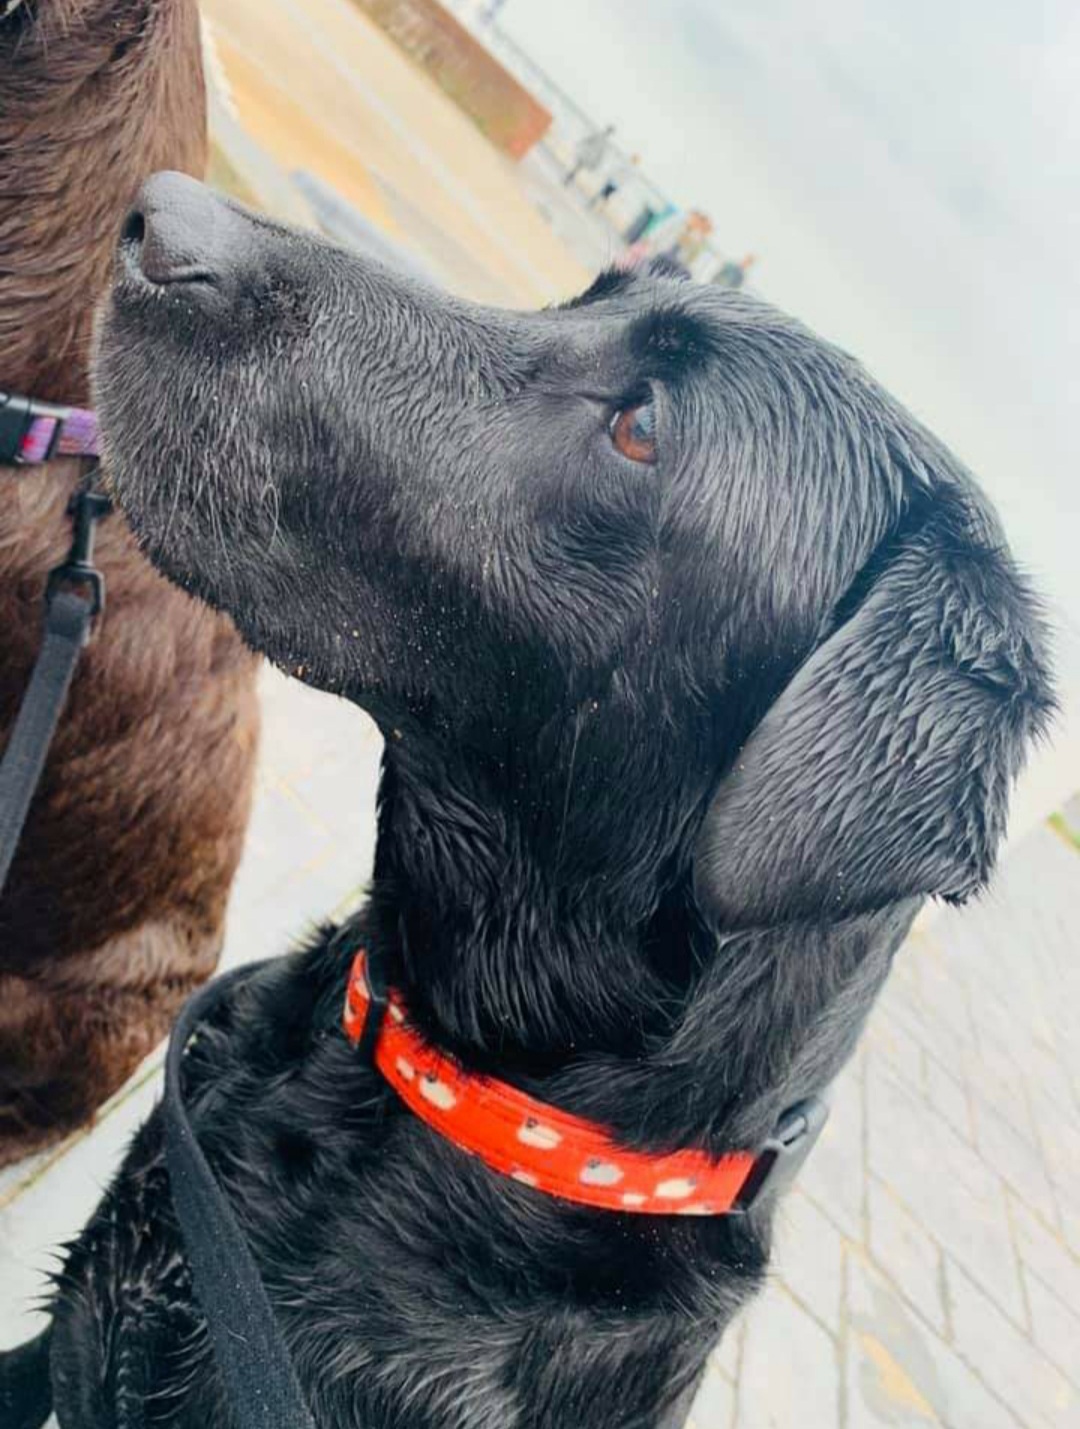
x=86, y=509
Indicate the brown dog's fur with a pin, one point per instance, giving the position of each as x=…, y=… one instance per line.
x=115, y=905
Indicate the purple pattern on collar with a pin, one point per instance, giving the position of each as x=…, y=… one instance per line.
x=78, y=436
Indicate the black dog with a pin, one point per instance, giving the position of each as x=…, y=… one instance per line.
x=700, y=664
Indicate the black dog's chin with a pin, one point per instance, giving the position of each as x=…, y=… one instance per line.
x=183, y=385
x=160, y=452
x=140, y=458
x=181, y=471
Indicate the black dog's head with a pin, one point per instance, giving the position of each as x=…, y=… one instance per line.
x=679, y=585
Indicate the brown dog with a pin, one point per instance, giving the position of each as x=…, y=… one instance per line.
x=114, y=908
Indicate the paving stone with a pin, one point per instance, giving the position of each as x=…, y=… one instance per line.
x=900, y=1245
x=285, y=835
x=898, y=1374
x=1067, y=1043
x=1017, y=1161
x=994, y=1078
x=1011, y=1365
x=1055, y=1328
x=904, y=974
x=281, y=918
x=946, y=998
x=714, y=1405
x=944, y=1184
x=1052, y=1073
x=808, y=1257
x=728, y=1354
x=1070, y=1219
x=302, y=727
x=834, y=1176
x=1046, y=1254
x=789, y=1372
x=887, y=1037
x=1030, y=902
x=1057, y=1126
x=1010, y=1013
x=1020, y=943
x=14, y=1178
x=935, y=1032
x=948, y=1096
x=1048, y=1074
x=999, y=945
x=343, y=788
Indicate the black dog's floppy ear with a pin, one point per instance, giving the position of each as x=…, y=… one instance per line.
x=884, y=769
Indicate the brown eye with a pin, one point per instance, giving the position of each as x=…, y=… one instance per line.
x=633, y=432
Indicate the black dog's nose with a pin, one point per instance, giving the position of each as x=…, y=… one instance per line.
x=179, y=231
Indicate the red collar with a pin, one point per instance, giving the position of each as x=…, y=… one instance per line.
x=549, y=1149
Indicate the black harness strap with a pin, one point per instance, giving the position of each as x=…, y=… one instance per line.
x=262, y=1387
x=74, y=595
x=67, y=625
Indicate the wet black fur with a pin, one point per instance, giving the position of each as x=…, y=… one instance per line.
x=673, y=753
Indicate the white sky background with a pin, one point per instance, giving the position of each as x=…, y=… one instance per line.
x=908, y=174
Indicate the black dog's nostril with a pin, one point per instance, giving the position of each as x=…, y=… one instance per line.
x=179, y=231
x=134, y=229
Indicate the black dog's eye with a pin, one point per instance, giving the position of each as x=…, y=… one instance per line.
x=633, y=431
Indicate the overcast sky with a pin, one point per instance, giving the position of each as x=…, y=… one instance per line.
x=909, y=176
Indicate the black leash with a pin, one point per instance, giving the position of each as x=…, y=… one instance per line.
x=74, y=597
x=254, y=1361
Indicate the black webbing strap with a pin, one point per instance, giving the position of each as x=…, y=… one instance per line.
x=255, y=1366
x=67, y=627
x=74, y=595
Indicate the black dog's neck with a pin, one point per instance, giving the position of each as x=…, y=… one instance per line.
x=502, y=955
x=661, y=1029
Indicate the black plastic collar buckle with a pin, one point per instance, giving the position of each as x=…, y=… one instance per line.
x=780, y=1159
x=17, y=415
x=378, y=990
x=86, y=509
x=376, y=1009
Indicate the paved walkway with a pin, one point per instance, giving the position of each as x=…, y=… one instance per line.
x=928, y=1267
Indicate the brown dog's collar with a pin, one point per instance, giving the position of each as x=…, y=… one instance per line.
x=32, y=431
x=551, y=1150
